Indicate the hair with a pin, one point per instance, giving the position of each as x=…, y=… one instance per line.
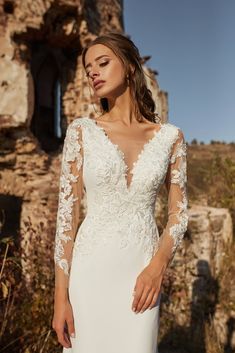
x=128, y=53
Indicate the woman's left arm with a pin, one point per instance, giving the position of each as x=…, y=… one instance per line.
x=149, y=281
x=176, y=180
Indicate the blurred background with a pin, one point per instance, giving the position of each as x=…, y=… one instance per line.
x=191, y=44
x=188, y=55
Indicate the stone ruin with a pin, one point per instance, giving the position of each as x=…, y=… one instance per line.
x=43, y=88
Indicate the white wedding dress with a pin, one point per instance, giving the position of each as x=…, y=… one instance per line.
x=99, y=262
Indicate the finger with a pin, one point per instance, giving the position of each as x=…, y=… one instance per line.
x=134, y=290
x=143, y=298
x=71, y=329
x=154, y=300
x=67, y=338
x=138, y=292
x=147, y=301
x=63, y=339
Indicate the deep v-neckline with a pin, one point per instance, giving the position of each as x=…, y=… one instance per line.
x=122, y=154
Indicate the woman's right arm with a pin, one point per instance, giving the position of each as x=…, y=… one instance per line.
x=68, y=215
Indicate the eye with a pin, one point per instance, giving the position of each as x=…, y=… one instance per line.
x=104, y=63
x=101, y=64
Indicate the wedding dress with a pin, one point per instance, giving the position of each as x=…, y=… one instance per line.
x=100, y=260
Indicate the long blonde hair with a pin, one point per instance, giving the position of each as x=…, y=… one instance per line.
x=128, y=53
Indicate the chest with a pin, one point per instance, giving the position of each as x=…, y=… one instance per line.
x=106, y=167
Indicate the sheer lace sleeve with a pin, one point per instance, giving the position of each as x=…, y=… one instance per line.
x=175, y=182
x=70, y=195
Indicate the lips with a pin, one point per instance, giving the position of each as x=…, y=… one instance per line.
x=96, y=83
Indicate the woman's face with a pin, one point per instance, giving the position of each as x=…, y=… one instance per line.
x=101, y=64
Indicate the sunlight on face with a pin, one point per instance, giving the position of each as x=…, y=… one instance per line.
x=105, y=71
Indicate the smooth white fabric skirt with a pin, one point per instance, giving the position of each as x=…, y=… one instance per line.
x=101, y=294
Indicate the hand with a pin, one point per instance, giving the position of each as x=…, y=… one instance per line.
x=63, y=316
x=147, y=288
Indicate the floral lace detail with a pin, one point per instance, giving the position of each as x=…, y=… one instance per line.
x=181, y=151
x=71, y=153
x=127, y=213
x=113, y=209
x=179, y=177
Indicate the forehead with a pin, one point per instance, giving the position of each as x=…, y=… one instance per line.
x=96, y=51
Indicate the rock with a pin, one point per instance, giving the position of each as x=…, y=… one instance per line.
x=195, y=276
x=210, y=230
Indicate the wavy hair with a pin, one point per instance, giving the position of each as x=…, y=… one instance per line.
x=128, y=53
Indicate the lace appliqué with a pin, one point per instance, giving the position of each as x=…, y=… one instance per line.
x=179, y=176
x=115, y=210
x=71, y=153
x=181, y=151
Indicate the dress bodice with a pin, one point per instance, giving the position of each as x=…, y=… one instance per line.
x=92, y=161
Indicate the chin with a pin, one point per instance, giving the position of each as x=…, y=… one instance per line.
x=101, y=93
x=109, y=94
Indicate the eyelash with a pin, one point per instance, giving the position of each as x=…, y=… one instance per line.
x=101, y=64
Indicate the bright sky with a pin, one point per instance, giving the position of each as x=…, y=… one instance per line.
x=192, y=46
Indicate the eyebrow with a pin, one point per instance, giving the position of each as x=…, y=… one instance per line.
x=98, y=57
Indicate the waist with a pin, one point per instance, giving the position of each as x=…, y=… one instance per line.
x=110, y=214
x=106, y=220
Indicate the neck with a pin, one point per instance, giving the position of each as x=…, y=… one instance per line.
x=121, y=108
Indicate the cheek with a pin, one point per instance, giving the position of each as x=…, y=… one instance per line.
x=115, y=75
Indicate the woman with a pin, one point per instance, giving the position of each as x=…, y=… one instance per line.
x=108, y=273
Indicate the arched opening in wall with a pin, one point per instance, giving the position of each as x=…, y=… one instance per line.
x=8, y=6
x=46, y=122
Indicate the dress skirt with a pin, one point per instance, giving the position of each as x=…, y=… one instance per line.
x=101, y=294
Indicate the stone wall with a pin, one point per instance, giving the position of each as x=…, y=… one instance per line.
x=42, y=77
x=194, y=299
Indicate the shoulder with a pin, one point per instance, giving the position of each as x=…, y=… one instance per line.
x=175, y=130
x=75, y=126
x=74, y=131
x=78, y=122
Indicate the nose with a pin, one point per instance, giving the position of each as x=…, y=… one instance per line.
x=94, y=74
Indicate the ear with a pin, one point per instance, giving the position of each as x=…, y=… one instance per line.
x=132, y=69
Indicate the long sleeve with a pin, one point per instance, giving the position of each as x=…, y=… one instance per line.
x=175, y=182
x=70, y=195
